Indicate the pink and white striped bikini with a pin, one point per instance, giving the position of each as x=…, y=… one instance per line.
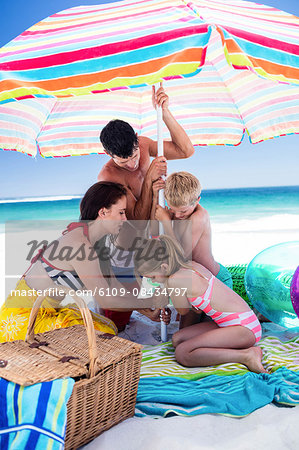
x=225, y=319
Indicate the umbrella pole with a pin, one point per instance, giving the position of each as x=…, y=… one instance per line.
x=161, y=192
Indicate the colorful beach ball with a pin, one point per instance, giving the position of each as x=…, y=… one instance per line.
x=268, y=281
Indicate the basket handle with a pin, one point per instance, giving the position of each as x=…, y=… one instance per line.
x=88, y=323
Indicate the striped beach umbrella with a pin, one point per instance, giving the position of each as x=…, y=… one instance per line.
x=228, y=66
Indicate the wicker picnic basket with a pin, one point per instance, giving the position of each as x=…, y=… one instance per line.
x=106, y=370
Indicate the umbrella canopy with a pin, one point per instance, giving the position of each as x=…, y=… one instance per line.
x=229, y=66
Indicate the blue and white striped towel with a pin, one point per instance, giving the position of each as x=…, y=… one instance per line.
x=34, y=417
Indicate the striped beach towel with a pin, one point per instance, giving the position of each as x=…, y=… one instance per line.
x=159, y=361
x=33, y=417
x=166, y=388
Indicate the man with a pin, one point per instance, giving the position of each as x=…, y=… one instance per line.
x=130, y=165
x=130, y=158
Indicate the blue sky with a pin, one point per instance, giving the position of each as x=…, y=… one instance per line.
x=270, y=163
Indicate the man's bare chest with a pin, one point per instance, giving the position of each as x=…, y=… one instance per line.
x=135, y=182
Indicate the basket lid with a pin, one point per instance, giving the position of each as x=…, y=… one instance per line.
x=58, y=354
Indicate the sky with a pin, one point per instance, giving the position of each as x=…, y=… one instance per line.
x=271, y=163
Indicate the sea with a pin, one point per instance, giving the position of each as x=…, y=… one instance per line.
x=223, y=205
x=244, y=220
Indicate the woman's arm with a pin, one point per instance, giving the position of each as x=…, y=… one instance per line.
x=112, y=296
x=156, y=314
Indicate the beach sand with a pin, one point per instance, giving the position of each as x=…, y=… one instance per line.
x=267, y=428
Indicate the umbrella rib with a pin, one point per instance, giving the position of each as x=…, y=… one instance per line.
x=41, y=128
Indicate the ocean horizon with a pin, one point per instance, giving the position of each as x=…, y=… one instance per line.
x=39, y=198
x=224, y=205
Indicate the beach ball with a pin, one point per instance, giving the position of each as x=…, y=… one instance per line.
x=268, y=280
x=295, y=291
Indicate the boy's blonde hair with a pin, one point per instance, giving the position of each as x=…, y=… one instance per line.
x=182, y=189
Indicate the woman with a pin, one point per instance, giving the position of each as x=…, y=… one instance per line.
x=102, y=212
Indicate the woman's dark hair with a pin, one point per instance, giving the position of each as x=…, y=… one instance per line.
x=119, y=139
x=103, y=194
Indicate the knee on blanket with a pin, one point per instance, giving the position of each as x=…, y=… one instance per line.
x=183, y=357
x=176, y=339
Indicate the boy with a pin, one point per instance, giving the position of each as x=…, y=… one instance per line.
x=191, y=227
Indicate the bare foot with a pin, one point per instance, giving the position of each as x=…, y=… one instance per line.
x=254, y=360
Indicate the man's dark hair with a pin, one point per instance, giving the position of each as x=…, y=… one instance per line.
x=119, y=139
